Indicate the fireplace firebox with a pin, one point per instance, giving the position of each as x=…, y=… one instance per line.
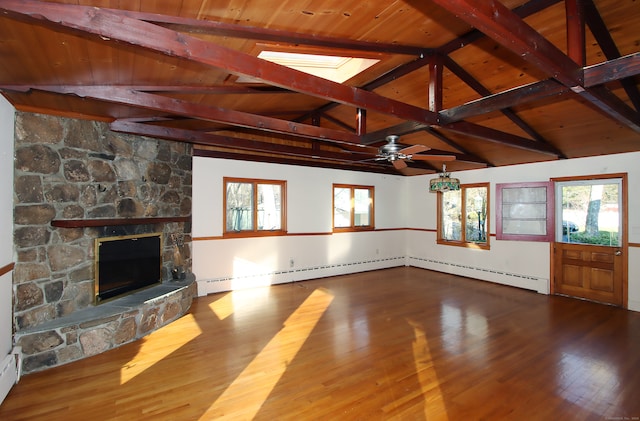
x=127, y=263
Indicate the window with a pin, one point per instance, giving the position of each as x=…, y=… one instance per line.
x=463, y=216
x=352, y=207
x=524, y=211
x=254, y=207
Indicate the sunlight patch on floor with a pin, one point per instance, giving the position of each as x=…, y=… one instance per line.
x=246, y=395
x=152, y=352
x=223, y=307
x=434, y=405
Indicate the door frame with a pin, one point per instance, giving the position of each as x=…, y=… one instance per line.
x=624, y=246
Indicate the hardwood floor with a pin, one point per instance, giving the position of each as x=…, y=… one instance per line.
x=396, y=344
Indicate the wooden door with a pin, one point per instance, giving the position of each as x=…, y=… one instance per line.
x=590, y=272
x=590, y=248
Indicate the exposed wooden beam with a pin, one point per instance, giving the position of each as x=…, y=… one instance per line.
x=467, y=78
x=611, y=70
x=609, y=48
x=199, y=138
x=373, y=167
x=435, y=82
x=505, y=139
x=576, y=48
x=465, y=128
x=164, y=104
x=112, y=27
x=506, y=99
x=530, y=8
x=508, y=29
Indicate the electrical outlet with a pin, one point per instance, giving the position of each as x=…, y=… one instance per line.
x=292, y=263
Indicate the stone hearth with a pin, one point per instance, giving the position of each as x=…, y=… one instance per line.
x=74, y=170
x=97, y=329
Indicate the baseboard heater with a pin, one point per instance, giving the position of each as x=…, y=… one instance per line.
x=10, y=371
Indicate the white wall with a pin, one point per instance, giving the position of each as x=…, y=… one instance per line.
x=235, y=263
x=8, y=363
x=7, y=117
x=517, y=263
x=401, y=202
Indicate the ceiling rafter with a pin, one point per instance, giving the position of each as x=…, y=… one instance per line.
x=179, y=107
x=609, y=48
x=616, y=69
x=510, y=31
x=482, y=90
x=118, y=27
x=199, y=138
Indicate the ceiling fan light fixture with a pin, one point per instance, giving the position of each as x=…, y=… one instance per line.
x=444, y=182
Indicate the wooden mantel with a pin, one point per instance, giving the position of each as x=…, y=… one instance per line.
x=104, y=222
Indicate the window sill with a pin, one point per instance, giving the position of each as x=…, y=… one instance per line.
x=253, y=234
x=464, y=244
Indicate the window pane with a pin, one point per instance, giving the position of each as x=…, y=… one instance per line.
x=341, y=207
x=452, y=215
x=239, y=206
x=476, y=211
x=590, y=213
x=362, y=205
x=269, y=207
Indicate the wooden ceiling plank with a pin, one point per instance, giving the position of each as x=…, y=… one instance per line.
x=606, y=101
x=211, y=27
x=508, y=29
x=112, y=26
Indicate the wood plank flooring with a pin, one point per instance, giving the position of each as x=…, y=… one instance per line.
x=395, y=344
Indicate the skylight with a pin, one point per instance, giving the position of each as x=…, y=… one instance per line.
x=335, y=68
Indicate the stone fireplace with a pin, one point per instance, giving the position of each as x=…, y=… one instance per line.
x=76, y=181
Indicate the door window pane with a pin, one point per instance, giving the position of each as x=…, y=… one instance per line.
x=590, y=212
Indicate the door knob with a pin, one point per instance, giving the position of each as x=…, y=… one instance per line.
x=618, y=252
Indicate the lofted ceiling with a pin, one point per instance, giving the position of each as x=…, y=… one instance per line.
x=488, y=83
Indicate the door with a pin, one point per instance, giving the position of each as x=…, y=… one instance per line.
x=589, y=255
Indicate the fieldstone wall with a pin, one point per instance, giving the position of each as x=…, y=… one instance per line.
x=78, y=169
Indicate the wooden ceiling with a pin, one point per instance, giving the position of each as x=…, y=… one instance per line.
x=492, y=83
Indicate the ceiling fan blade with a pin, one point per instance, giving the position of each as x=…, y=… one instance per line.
x=399, y=164
x=409, y=150
x=433, y=158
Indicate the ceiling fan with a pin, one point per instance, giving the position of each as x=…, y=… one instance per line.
x=398, y=154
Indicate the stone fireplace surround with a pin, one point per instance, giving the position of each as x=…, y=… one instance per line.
x=70, y=176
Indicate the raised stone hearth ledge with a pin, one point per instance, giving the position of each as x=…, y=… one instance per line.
x=100, y=328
